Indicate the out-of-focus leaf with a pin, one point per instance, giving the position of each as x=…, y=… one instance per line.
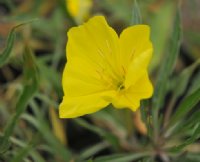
x=195, y=84
x=168, y=65
x=91, y=151
x=161, y=19
x=4, y=145
x=42, y=126
x=194, y=137
x=30, y=87
x=192, y=157
x=33, y=152
x=119, y=9
x=186, y=105
x=166, y=70
x=183, y=78
x=192, y=120
x=46, y=99
x=59, y=51
x=111, y=119
x=90, y=160
x=106, y=135
x=178, y=87
x=58, y=149
x=9, y=45
x=136, y=15
x=185, y=125
x=144, y=110
x=4, y=56
x=51, y=75
x=22, y=153
x=121, y=157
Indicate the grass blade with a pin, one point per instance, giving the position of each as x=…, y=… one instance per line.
x=91, y=151
x=22, y=153
x=195, y=84
x=189, y=141
x=179, y=87
x=59, y=150
x=106, y=135
x=161, y=19
x=121, y=157
x=31, y=85
x=185, y=107
x=4, y=56
x=183, y=79
x=9, y=45
x=165, y=72
x=136, y=15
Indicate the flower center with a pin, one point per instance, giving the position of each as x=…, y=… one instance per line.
x=120, y=86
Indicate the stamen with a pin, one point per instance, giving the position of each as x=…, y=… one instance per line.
x=132, y=54
x=100, y=53
x=108, y=45
x=106, y=79
x=124, y=71
x=108, y=64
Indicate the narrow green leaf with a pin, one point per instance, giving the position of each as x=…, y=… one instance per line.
x=161, y=19
x=121, y=157
x=195, y=83
x=166, y=70
x=168, y=65
x=112, y=117
x=9, y=45
x=90, y=160
x=24, y=152
x=53, y=143
x=4, y=56
x=106, y=135
x=189, y=141
x=185, y=125
x=192, y=120
x=4, y=145
x=178, y=87
x=31, y=83
x=183, y=79
x=192, y=157
x=21, y=144
x=51, y=75
x=186, y=105
x=136, y=15
x=91, y=151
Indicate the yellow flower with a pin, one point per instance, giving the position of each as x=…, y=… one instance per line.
x=104, y=68
x=79, y=9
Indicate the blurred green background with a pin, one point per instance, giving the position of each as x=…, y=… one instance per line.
x=32, y=47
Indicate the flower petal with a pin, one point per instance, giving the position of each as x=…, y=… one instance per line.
x=90, y=48
x=126, y=100
x=143, y=87
x=131, y=97
x=94, y=41
x=136, y=52
x=80, y=79
x=137, y=68
x=72, y=107
x=134, y=41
